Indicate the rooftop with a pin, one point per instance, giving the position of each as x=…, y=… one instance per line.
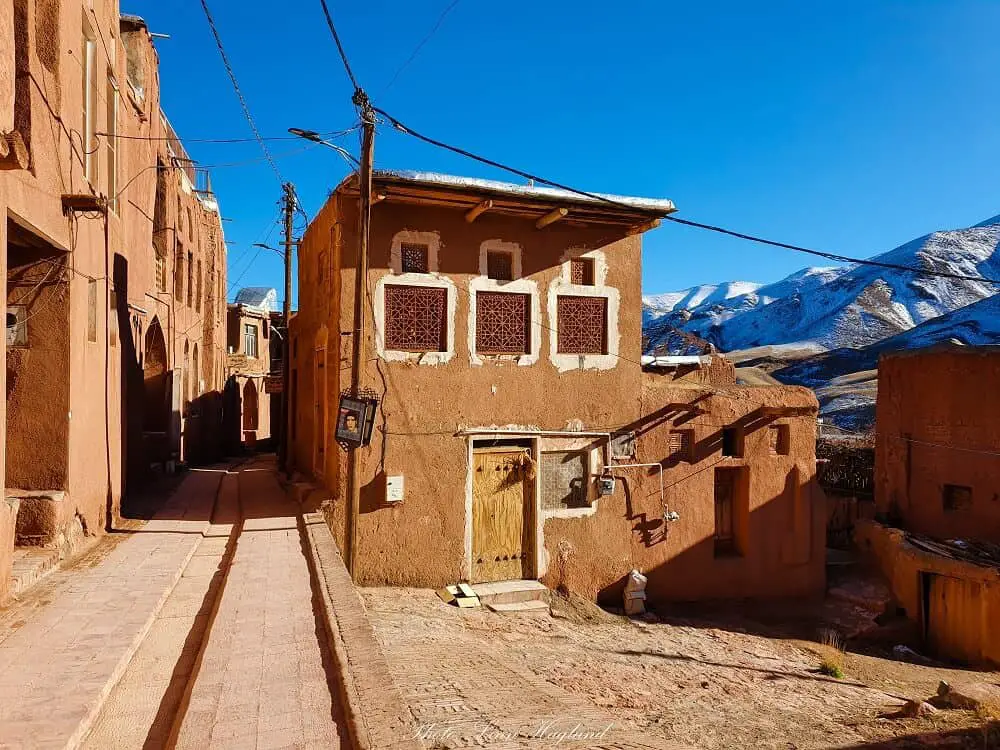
x=545, y=204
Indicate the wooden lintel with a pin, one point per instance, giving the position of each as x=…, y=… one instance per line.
x=787, y=411
x=84, y=202
x=645, y=227
x=378, y=197
x=551, y=217
x=476, y=211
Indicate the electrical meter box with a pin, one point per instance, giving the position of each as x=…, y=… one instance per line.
x=606, y=486
x=394, y=489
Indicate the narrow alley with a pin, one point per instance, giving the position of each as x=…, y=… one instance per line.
x=163, y=636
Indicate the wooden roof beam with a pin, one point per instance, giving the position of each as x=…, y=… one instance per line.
x=551, y=217
x=644, y=227
x=478, y=210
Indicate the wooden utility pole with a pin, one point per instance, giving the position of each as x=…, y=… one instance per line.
x=360, y=321
x=286, y=351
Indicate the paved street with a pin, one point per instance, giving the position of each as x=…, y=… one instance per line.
x=200, y=629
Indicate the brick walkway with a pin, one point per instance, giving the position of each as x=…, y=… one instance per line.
x=265, y=675
x=61, y=659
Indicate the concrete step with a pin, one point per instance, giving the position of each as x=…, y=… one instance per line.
x=31, y=564
x=509, y=592
x=530, y=606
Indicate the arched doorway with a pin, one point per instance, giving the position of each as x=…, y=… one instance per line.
x=156, y=399
x=251, y=413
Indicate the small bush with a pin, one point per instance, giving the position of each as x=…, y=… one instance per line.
x=832, y=663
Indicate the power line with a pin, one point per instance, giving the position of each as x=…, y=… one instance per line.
x=119, y=136
x=239, y=93
x=605, y=199
x=831, y=256
x=340, y=47
x=420, y=46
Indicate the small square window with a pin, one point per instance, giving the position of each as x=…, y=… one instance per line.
x=680, y=444
x=581, y=271
x=778, y=439
x=17, y=325
x=732, y=442
x=415, y=258
x=500, y=265
x=956, y=497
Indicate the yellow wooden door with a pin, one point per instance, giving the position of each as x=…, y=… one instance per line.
x=955, y=622
x=500, y=511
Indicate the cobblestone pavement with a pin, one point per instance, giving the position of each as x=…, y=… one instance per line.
x=61, y=655
x=264, y=679
x=197, y=629
x=473, y=677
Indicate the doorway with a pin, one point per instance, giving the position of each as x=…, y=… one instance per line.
x=952, y=616
x=503, y=480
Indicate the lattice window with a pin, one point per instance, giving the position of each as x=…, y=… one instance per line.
x=502, y=323
x=161, y=273
x=583, y=325
x=680, y=443
x=415, y=258
x=956, y=497
x=564, y=480
x=415, y=318
x=500, y=265
x=581, y=271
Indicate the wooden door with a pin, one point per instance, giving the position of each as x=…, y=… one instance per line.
x=501, y=528
x=954, y=618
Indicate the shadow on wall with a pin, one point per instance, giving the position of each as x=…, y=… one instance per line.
x=985, y=736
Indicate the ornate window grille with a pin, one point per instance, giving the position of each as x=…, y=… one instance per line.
x=415, y=318
x=581, y=271
x=680, y=443
x=502, y=323
x=415, y=258
x=582, y=325
x=499, y=265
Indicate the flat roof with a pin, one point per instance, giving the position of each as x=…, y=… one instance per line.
x=530, y=201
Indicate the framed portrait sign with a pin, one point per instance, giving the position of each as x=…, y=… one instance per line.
x=355, y=421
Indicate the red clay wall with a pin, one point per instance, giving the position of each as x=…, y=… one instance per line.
x=938, y=424
x=423, y=540
x=780, y=530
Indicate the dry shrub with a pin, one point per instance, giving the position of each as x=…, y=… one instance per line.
x=832, y=654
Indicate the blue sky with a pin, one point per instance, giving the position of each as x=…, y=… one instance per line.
x=850, y=127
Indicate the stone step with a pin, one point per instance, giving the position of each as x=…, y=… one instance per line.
x=509, y=592
x=531, y=606
x=30, y=565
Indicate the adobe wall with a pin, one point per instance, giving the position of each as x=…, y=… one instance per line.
x=6, y=66
x=902, y=563
x=781, y=531
x=116, y=253
x=937, y=424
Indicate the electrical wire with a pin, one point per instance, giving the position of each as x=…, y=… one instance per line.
x=340, y=47
x=239, y=92
x=331, y=134
x=740, y=235
x=420, y=46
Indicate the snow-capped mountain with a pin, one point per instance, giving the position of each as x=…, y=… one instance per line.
x=848, y=306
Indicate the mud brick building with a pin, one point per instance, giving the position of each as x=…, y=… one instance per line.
x=248, y=361
x=937, y=488
x=114, y=256
x=514, y=407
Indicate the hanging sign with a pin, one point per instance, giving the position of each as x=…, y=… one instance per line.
x=355, y=421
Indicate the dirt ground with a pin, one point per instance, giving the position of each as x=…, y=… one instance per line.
x=474, y=677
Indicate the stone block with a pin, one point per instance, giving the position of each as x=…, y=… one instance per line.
x=39, y=518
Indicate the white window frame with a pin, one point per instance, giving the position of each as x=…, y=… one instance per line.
x=427, y=280
x=483, y=283
x=563, y=287
x=247, y=340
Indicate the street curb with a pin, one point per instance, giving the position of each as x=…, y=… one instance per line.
x=375, y=714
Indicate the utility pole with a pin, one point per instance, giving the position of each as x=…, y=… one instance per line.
x=360, y=322
x=286, y=352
